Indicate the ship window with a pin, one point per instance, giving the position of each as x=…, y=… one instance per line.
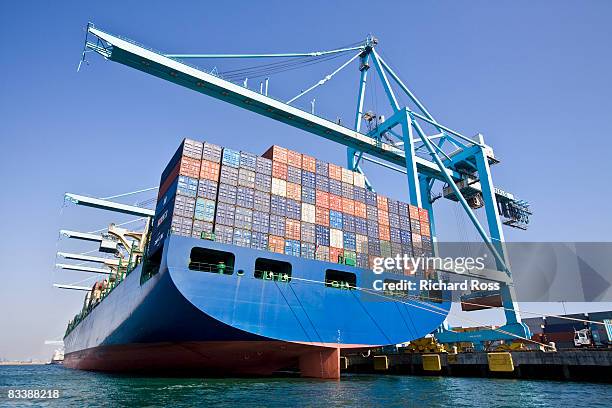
x=210, y=260
x=270, y=269
x=340, y=279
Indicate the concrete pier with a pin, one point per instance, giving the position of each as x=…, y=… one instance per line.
x=570, y=365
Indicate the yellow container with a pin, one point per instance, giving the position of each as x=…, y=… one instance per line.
x=431, y=362
x=500, y=362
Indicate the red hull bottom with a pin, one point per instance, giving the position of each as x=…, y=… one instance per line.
x=240, y=358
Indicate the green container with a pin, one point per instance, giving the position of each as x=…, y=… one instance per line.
x=208, y=235
x=385, y=249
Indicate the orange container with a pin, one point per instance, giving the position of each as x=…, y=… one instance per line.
x=372, y=260
x=322, y=199
x=279, y=170
x=294, y=159
x=294, y=191
x=423, y=214
x=292, y=229
x=335, y=202
x=335, y=253
x=276, y=153
x=348, y=206
x=322, y=216
x=335, y=172
x=360, y=209
x=190, y=167
x=309, y=163
x=276, y=244
x=384, y=233
x=382, y=203
x=209, y=170
x=425, y=229
x=383, y=218
x=414, y=212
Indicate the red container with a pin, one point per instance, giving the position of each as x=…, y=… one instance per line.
x=414, y=212
x=423, y=215
x=276, y=153
x=322, y=199
x=335, y=254
x=335, y=172
x=383, y=217
x=292, y=229
x=335, y=202
x=210, y=170
x=294, y=191
x=348, y=206
x=294, y=159
x=425, y=229
x=276, y=244
x=383, y=233
x=322, y=216
x=169, y=180
x=360, y=209
x=382, y=203
x=279, y=170
x=309, y=163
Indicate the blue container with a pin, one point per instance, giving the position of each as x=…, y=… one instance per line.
x=187, y=186
x=227, y=194
x=246, y=178
x=403, y=209
x=335, y=187
x=308, y=179
x=373, y=229
x=207, y=189
x=361, y=226
x=261, y=222
x=248, y=161
x=294, y=175
x=359, y=194
x=243, y=218
x=394, y=220
x=245, y=197
x=307, y=232
x=231, y=158
x=395, y=235
x=309, y=195
x=294, y=209
x=405, y=237
x=415, y=226
x=347, y=191
x=225, y=214
x=335, y=219
x=204, y=210
x=278, y=205
x=371, y=198
x=348, y=223
x=322, y=168
x=259, y=240
x=242, y=237
x=264, y=166
x=292, y=247
x=407, y=249
x=224, y=233
x=374, y=247
x=396, y=249
x=322, y=235
x=307, y=250
x=362, y=260
x=372, y=213
x=277, y=225
x=263, y=182
x=404, y=223
x=211, y=152
x=349, y=241
x=229, y=175
x=261, y=201
x=393, y=206
x=322, y=183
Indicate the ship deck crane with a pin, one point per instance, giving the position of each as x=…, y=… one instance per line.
x=398, y=141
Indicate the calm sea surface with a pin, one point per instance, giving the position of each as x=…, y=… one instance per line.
x=80, y=389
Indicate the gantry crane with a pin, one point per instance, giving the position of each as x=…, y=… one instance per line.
x=398, y=142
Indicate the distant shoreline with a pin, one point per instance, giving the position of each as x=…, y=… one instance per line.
x=22, y=363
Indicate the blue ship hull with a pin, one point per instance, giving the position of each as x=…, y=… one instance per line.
x=186, y=320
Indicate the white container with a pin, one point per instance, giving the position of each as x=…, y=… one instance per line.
x=347, y=176
x=361, y=243
x=358, y=179
x=308, y=213
x=336, y=238
x=279, y=187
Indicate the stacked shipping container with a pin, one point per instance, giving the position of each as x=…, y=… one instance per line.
x=284, y=202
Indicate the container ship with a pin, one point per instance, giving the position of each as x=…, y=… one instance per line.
x=253, y=265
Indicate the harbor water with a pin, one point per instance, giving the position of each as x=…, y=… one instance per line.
x=79, y=388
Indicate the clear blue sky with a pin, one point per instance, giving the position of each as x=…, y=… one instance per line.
x=533, y=77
